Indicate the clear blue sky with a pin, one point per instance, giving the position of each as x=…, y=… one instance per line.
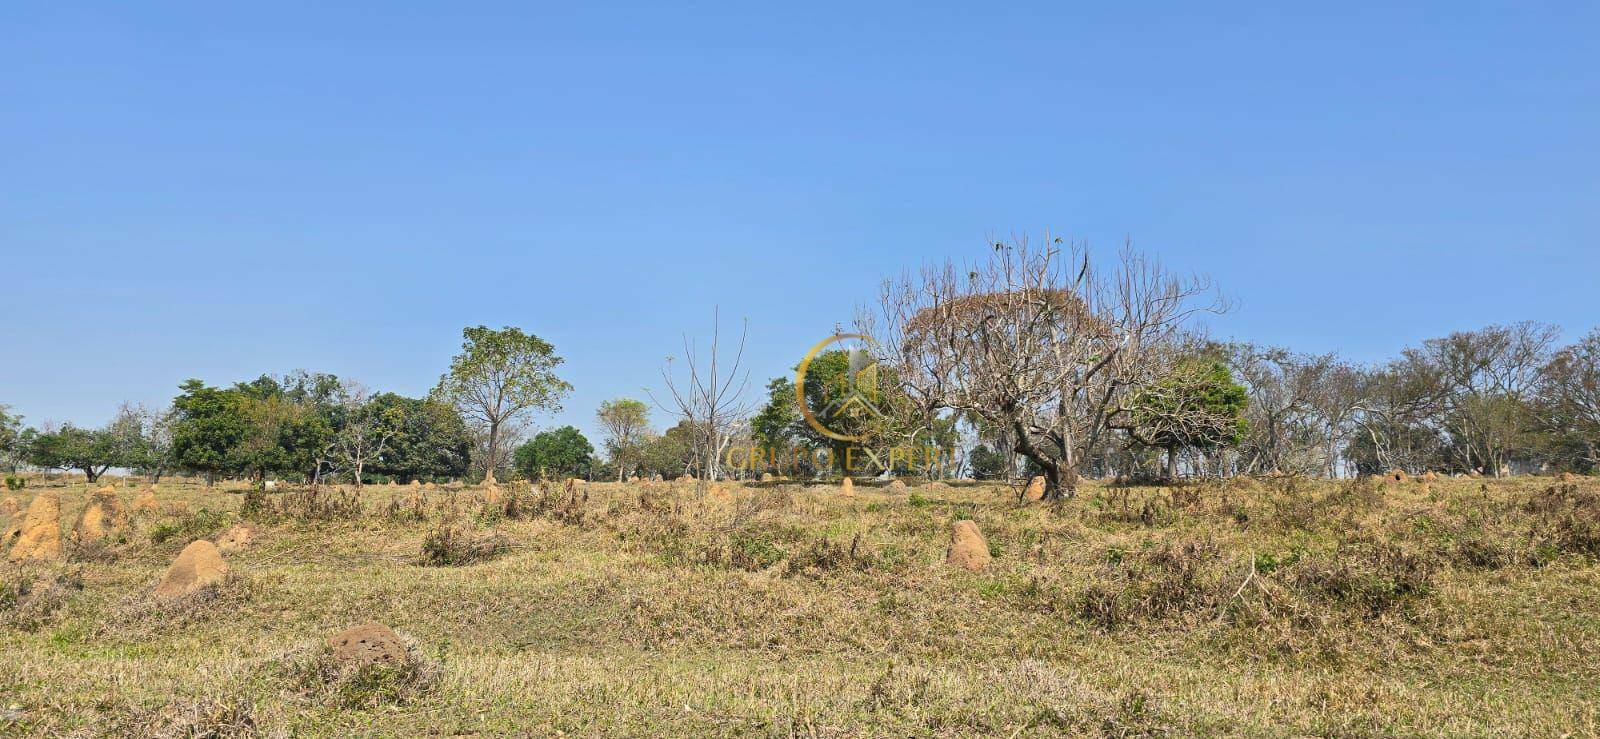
x=192, y=190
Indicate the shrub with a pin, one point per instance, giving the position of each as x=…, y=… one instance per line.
x=751, y=550
x=145, y=613
x=1168, y=581
x=413, y=509
x=1370, y=577
x=306, y=504
x=224, y=716
x=314, y=673
x=30, y=597
x=15, y=482
x=824, y=555
x=1568, y=519
x=451, y=545
x=188, y=527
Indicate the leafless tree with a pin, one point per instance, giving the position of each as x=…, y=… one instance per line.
x=1035, y=339
x=710, y=396
x=1569, y=391
x=1488, y=378
x=364, y=431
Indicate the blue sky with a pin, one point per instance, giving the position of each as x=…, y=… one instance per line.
x=193, y=190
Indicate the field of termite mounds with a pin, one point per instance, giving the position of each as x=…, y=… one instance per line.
x=383, y=598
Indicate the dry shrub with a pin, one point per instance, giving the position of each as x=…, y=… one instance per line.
x=562, y=502
x=826, y=555
x=145, y=613
x=219, y=717
x=1485, y=552
x=312, y=672
x=1567, y=519
x=1169, y=581
x=31, y=595
x=1296, y=506
x=95, y=551
x=1062, y=701
x=311, y=504
x=751, y=548
x=452, y=544
x=1188, y=583
x=412, y=509
x=1366, y=577
x=763, y=500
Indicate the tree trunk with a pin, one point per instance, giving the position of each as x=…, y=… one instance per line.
x=91, y=474
x=1060, y=478
x=1172, y=462
x=494, y=448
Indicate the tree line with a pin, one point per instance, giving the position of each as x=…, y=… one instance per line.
x=1033, y=360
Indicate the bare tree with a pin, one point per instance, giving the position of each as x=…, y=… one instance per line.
x=1037, y=340
x=1569, y=392
x=710, y=397
x=1488, y=378
x=364, y=430
x=1303, y=409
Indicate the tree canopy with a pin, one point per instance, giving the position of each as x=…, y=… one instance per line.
x=497, y=379
x=562, y=452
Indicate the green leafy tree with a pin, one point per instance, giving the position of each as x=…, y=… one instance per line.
x=986, y=463
x=13, y=440
x=286, y=430
x=432, y=441
x=497, y=379
x=780, y=426
x=563, y=452
x=91, y=451
x=255, y=428
x=1196, y=406
x=627, y=425
x=209, y=427
x=672, y=453
x=782, y=432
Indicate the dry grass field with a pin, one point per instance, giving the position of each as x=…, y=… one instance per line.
x=1256, y=607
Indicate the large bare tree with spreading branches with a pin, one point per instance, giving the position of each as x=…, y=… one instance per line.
x=1039, y=340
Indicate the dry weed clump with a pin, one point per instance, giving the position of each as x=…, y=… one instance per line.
x=1171, y=580
x=151, y=613
x=316, y=504
x=332, y=674
x=453, y=544
x=199, y=524
x=1189, y=583
x=1567, y=519
x=31, y=595
x=1365, y=577
x=213, y=717
x=100, y=551
x=825, y=555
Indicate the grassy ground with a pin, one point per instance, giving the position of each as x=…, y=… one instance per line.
x=1266, y=608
